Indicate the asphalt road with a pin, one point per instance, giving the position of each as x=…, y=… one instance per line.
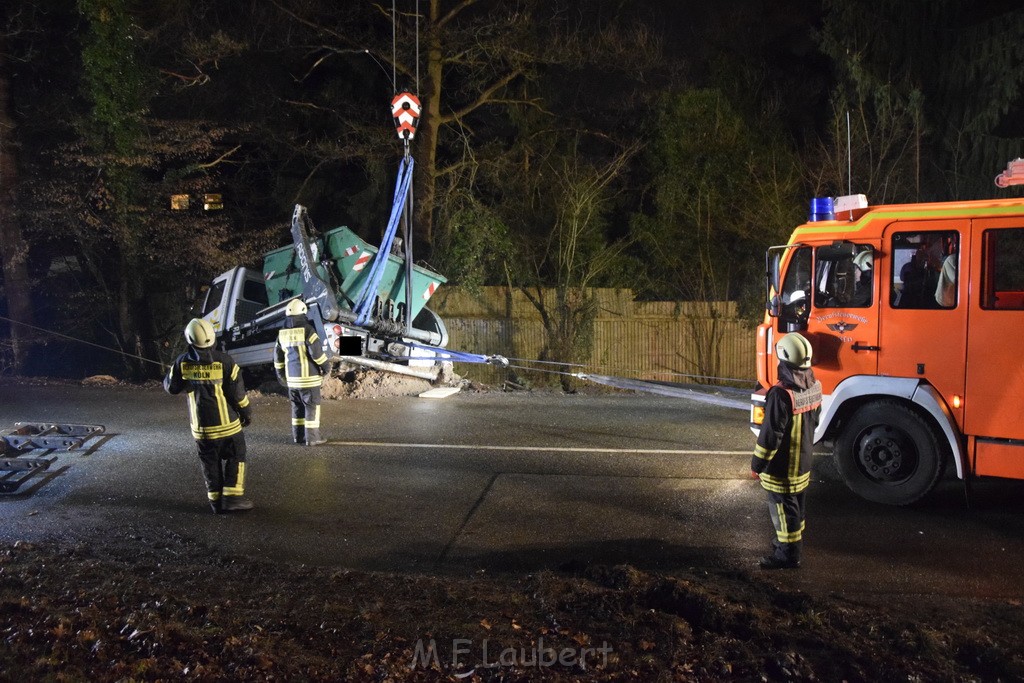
x=496, y=482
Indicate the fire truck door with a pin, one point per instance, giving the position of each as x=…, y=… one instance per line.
x=923, y=326
x=843, y=328
x=994, y=396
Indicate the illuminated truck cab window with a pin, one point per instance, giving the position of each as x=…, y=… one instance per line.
x=844, y=278
x=925, y=267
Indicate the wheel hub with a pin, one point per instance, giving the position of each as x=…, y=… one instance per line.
x=885, y=454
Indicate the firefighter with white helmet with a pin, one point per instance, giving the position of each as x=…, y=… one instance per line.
x=782, y=456
x=218, y=408
x=300, y=364
x=863, y=263
x=864, y=260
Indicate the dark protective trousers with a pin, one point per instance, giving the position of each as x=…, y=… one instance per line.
x=223, y=466
x=305, y=414
x=787, y=513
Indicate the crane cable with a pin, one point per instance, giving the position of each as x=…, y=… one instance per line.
x=394, y=46
x=162, y=365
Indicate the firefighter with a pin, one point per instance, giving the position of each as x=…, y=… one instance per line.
x=300, y=364
x=782, y=456
x=863, y=263
x=218, y=409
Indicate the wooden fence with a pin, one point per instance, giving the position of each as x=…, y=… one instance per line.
x=661, y=340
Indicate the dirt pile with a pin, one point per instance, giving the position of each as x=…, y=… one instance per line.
x=372, y=384
x=351, y=381
x=360, y=382
x=167, y=609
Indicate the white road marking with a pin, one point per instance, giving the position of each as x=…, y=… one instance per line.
x=546, y=449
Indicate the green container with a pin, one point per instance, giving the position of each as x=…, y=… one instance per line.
x=350, y=259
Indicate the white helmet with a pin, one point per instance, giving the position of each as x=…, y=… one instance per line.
x=864, y=260
x=296, y=307
x=199, y=333
x=793, y=349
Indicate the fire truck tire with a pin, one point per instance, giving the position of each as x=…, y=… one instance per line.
x=888, y=453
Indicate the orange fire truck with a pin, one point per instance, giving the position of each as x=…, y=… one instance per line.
x=916, y=316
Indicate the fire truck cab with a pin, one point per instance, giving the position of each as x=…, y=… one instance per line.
x=916, y=316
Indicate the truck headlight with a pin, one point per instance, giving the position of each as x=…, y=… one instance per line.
x=757, y=415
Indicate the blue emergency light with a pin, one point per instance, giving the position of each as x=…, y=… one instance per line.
x=822, y=209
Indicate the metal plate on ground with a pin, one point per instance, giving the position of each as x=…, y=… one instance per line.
x=28, y=435
x=17, y=469
x=440, y=392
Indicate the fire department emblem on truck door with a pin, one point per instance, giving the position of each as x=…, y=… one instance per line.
x=842, y=326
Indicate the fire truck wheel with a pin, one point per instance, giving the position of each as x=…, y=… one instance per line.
x=890, y=454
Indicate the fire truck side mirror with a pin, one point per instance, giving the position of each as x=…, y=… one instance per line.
x=773, y=305
x=793, y=311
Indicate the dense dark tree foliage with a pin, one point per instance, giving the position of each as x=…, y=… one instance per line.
x=13, y=248
x=720, y=188
x=563, y=144
x=935, y=95
x=108, y=252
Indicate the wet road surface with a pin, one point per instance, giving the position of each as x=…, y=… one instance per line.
x=497, y=482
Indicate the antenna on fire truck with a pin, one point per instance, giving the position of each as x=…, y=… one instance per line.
x=849, y=157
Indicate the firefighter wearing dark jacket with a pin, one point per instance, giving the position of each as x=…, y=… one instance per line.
x=782, y=456
x=218, y=409
x=300, y=364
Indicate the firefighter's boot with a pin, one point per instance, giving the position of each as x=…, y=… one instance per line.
x=235, y=504
x=786, y=556
x=313, y=437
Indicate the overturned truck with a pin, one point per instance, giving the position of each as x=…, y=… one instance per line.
x=367, y=305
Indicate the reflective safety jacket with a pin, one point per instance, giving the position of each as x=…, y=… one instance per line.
x=299, y=358
x=782, y=456
x=216, y=392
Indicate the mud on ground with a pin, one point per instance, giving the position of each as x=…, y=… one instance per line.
x=167, y=609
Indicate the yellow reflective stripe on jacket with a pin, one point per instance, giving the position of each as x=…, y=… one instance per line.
x=763, y=453
x=796, y=430
x=776, y=485
x=218, y=432
x=301, y=370
x=212, y=375
x=214, y=390
x=314, y=343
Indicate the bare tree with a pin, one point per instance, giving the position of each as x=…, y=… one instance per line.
x=575, y=255
x=874, y=143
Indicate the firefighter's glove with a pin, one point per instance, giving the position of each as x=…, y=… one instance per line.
x=245, y=418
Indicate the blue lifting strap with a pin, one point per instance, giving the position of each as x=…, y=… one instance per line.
x=366, y=296
x=458, y=356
